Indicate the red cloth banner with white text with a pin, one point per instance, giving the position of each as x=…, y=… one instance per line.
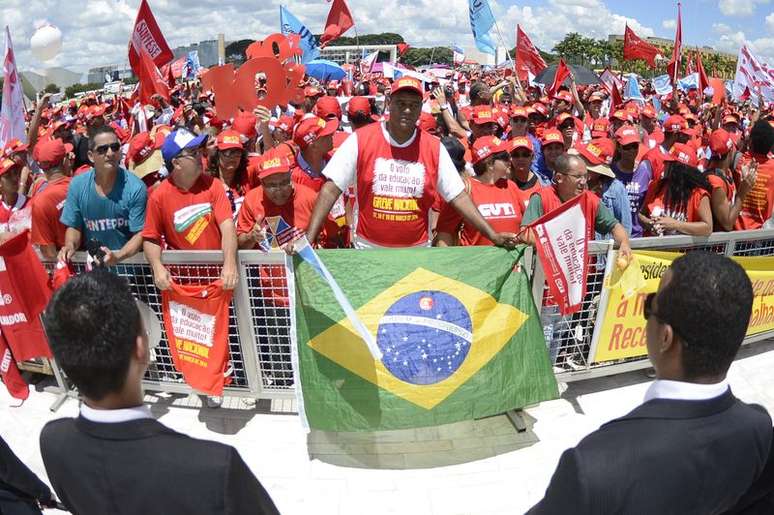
x=196, y=322
x=12, y=378
x=561, y=242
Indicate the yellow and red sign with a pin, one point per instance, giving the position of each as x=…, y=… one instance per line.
x=623, y=327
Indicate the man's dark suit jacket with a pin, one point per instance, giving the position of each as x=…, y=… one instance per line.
x=18, y=482
x=665, y=457
x=143, y=467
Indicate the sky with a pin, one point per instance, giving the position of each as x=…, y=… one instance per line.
x=96, y=32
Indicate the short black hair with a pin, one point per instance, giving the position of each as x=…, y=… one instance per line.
x=92, y=324
x=761, y=137
x=456, y=151
x=96, y=131
x=708, y=303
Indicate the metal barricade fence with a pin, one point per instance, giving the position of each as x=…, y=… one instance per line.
x=260, y=321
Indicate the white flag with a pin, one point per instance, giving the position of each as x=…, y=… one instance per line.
x=12, y=114
x=753, y=73
x=367, y=63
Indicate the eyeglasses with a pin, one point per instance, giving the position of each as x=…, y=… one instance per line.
x=193, y=154
x=276, y=185
x=522, y=155
x=230, y=153
x=565, y=126
x=580, y=178
x=102, y=149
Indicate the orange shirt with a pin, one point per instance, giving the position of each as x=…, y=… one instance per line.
x=296, y=211
x=47, y=207
x=687, y=213
x=188, y=220
x=758, y=204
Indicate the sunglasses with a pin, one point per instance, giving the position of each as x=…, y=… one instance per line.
x=521, y=154
x=630, y=147
x=102, y=149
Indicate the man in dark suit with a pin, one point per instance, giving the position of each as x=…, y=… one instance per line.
x=692, y=447
x=115, y=458
x=21, y=492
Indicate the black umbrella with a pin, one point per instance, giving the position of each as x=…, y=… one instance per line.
x=582, y=75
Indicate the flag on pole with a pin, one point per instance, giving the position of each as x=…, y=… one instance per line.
x=674, y=64
x=151, y=81
x=12, y=113
x=703, y=79
x=752, y=72
x=562, y=246
x=339, y=21
x=632, y=90
x=562, y=73
x=367, y=63
x=458, y=55
x=662, y=85
x=609, y=79
x=481, y=22
x=528, y=59
x=192, y=66
x=403, y=48
x=147, y=35
x=289, y=24
x=457, y=345
x=637, y=48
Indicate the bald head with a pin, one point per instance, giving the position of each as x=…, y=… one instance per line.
x=570, y=176
x=566, y=163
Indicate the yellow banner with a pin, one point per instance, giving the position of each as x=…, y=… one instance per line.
x=623, y=327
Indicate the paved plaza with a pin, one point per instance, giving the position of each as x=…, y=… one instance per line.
x=277, y=448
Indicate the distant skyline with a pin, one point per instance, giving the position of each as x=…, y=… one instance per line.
x=96, y=32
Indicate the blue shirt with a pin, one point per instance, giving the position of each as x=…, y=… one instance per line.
x=111, y=220
x=616, y=199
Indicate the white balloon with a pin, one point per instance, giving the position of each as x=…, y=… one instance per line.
x=46, y=43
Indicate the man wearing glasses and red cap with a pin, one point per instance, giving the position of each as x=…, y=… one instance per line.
x=397, y=171
x=55, y=159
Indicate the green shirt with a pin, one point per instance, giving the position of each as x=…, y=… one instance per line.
x=603, y=224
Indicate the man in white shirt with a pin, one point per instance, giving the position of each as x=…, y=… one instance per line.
x=691, y=447
x=115, y=458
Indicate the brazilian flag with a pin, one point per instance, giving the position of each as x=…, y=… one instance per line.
x=457, y=327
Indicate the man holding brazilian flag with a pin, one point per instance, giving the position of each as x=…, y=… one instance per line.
x=456, y=330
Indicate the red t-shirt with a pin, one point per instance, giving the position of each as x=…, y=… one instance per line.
x=18, y=217
x=188, y=220
x=758, y=204
x=500, y=204
x=46, y=209
x=527, y=189
x=299, y=176
x=296, y=211
x=687, y=213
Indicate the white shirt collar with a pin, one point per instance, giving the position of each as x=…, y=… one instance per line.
x=113, y=416
x=394, y=143
x=679, y=390
x=20, y=200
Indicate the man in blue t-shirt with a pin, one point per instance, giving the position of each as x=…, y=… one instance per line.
x=106, y=204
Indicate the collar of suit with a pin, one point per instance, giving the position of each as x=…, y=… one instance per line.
x=680, y=409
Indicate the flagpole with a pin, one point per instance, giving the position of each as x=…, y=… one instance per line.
x=502, y=40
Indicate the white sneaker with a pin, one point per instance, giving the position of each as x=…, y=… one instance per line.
x=214, y=402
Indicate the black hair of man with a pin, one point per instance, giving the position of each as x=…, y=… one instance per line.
x=92, y=324
x=96, y=131
x=761, y=137
x=708, y=303
x=456, y=151
x=565, y=161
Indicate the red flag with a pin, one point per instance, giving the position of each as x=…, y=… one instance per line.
x=703, y=80
x=637, y=48
x=403, y=48
x=338, y=22
x=12, y=378
x=562, y=245
x=615, y=97
x=147, y=35
x=674, y=64
x=562, y=72
x=151, y=80
x=528, y=58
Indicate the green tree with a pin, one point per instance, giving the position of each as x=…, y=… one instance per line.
x=425, y=56
x=385, y=38
x=70, y=91
x=51, y=88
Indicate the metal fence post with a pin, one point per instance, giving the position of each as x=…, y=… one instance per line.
x=247, y=341
x=604, y=300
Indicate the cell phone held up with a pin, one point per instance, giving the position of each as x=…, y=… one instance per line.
x=94, y=249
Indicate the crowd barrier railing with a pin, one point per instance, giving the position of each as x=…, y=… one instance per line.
x=260, y=320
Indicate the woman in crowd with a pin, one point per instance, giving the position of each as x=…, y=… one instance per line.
x=229, y=164
x=636, y=177
x=725, y=198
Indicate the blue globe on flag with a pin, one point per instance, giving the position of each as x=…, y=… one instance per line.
x=424, y=337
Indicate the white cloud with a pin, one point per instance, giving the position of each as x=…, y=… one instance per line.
x=669, y=24
x=96, y=32
x=770, y=22
x=731, y=40
x=739, y=7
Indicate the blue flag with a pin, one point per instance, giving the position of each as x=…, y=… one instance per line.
x=192, y=66
x=632, y=89
x=481, y=22
x=289, y=24
x=662, y=84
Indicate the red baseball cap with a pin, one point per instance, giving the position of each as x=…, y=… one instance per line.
x=285, y=124
x=730, y=118
x=540, y=109
x=520, y=142
x=675, y=123
x=313, y=128
x=622, y=115
x=565, y=96
x=274, y=165
x=519, y=112
x=597, y=96
x=6, y=165
x=627, y=135
x=13, y=146
x=141, y=147
x=648, y=112
x=598, y=154
x=358, y=105
x=563, y=117
x=407, y=84
x=551, y=136
x=486, y=146
x=600, y=128
x=312, y=91
x=229, y=139
x=720, y=142
x=482, y=114
x=244, y=123
x=683, y=153
x=51, y=151
x=328, y=107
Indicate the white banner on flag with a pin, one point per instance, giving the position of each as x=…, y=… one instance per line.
x=12, y=113
x=753, y=73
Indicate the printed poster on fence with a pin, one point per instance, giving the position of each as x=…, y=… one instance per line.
x=623, y=327
x=196, y=322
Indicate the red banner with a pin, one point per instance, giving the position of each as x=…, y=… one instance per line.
x=528, y=59
x=339, y=21
x=562, y=73
x=196, y=323
x=12, y=378
x=637, y=48
x=561, y=243
x=151, y=80
x=147, y=35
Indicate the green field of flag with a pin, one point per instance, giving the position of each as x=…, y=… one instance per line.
x=457, y=327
